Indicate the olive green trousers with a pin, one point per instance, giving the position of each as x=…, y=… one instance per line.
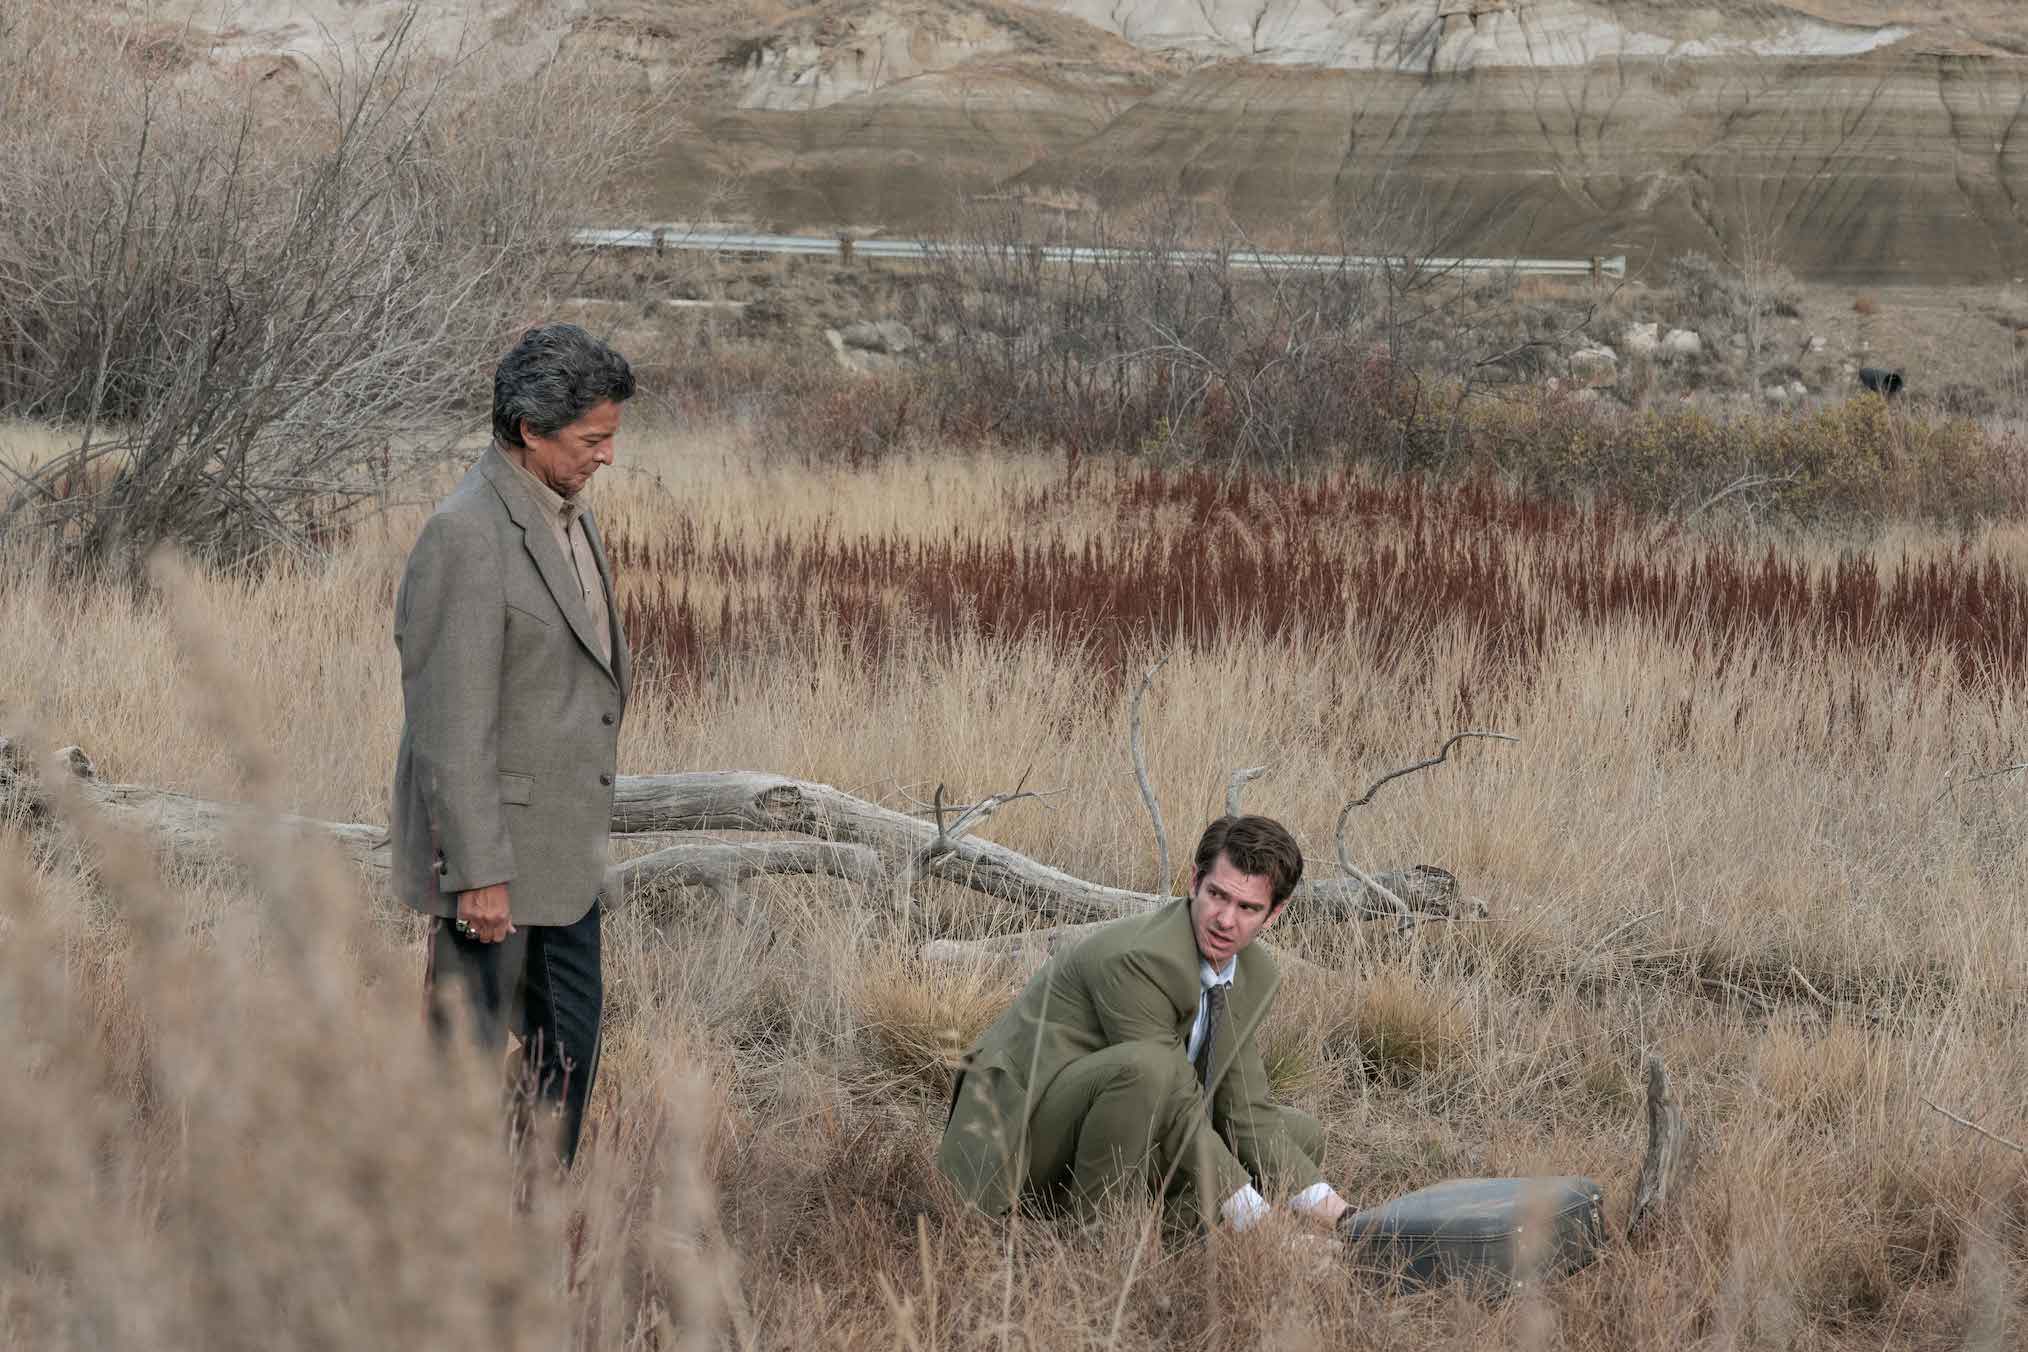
x=1135, y=1114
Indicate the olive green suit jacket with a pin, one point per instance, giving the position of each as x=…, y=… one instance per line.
x=1133, y=980
x=511, y=718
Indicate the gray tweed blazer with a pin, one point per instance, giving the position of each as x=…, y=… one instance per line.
x=511, y=720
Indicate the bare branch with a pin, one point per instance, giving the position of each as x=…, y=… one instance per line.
x=1665, y=1167
x=257, y=329
x=2014, y=1146
x=1404, y=915
x=1240, y=779
x=1950, y=789
x=986, y=807
x=1803, y=981
x=920, y=808
x=1404, y=918
x=1442, y=754
x=183, y=824
x=947, y=837
x=1745, y=483
x=1141, y=774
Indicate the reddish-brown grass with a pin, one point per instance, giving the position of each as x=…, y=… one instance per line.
x=1195, y=558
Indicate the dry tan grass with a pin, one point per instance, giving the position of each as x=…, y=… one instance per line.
x=235, y=1138
x=24, y=445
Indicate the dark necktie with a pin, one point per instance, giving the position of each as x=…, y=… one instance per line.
x=1214, y=1014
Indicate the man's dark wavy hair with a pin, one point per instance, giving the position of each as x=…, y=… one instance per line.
x=552, y=377
x=1258, y=846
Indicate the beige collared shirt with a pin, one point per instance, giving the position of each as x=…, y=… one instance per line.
x=566, y=522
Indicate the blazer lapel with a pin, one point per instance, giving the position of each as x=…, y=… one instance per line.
x=1178, y=947
x=540, y=541
x=623, y=660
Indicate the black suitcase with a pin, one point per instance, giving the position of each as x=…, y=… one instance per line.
x=1496, y=1234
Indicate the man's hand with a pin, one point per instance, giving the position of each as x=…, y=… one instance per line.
x=482, y=913
x=1320, y=1202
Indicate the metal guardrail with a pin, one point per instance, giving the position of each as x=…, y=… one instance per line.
x=845, y=248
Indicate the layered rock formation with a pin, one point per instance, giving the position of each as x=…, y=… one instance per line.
x=1449, y=36
x=1867, y=141
x=1901, y=165
x=1863, y=139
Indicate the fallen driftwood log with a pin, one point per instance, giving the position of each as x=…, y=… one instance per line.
x=852, y=839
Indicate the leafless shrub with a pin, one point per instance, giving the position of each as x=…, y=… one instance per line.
x=256, y=306
x=1749, y=290
x=1965, y=399
x=1173, y=332
x=1764, y=288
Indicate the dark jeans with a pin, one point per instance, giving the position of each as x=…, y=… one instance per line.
x=546, y=980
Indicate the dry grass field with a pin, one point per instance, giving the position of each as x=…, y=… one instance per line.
x=1744, y=828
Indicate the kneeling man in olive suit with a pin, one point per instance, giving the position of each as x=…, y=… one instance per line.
x=1129, y=1062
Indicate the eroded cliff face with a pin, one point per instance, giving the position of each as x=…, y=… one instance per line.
x=1449, y=36
x=1869, y=140
x=1866, y=139
x=1909, y=165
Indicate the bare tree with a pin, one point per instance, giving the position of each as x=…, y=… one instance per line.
x=1766, y=288
x=258, y=307
x=1174, y=329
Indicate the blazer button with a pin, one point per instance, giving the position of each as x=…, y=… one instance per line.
x=606, y=780
x=606, y=719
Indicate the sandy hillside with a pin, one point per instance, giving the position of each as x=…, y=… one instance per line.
x=1877, y=141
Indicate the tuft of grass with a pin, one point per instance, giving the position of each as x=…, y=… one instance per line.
x=1819, y=1078
x=917, y=1018
x=25, y=445
x=1406, y=1030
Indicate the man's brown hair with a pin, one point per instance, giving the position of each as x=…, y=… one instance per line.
x=1259, y=846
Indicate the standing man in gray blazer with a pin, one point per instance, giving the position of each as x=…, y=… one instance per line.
x=514, y=678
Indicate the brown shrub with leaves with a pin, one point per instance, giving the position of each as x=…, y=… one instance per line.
x=1860, y=464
